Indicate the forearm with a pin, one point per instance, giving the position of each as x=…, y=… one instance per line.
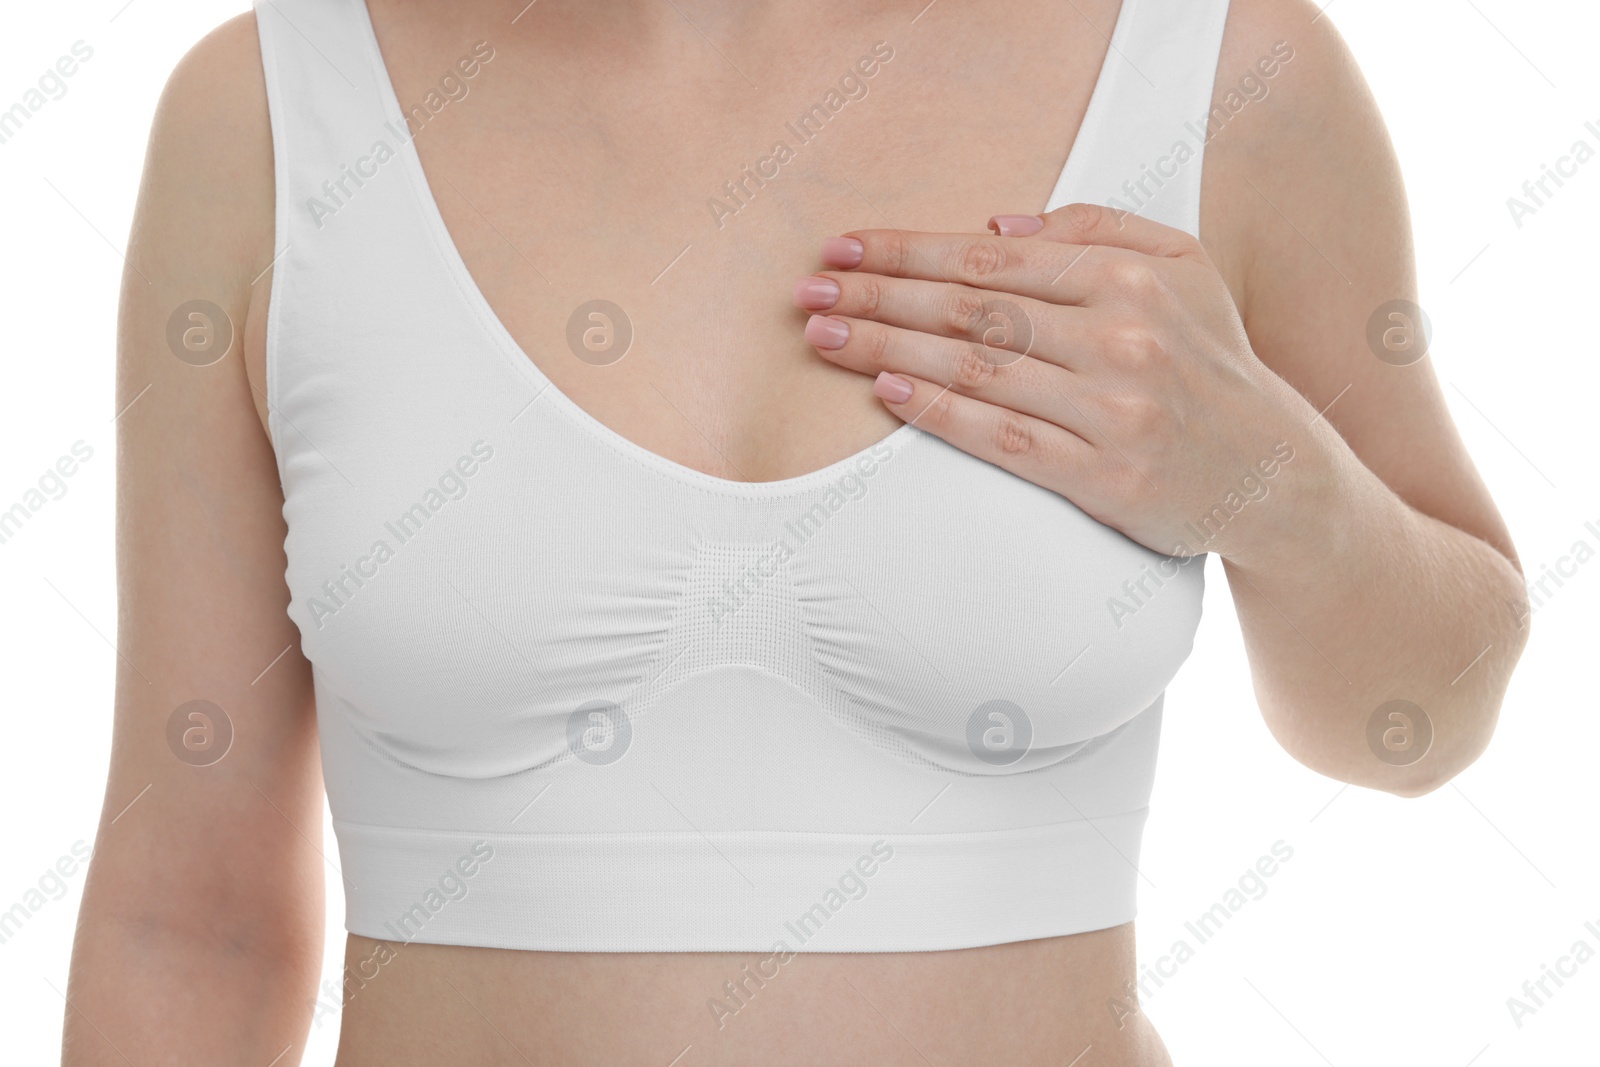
x=200, y=934
x=1349, y=598
x=157, y=994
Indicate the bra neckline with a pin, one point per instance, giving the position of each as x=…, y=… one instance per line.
x=472, y=294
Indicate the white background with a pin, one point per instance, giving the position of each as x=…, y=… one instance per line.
x=1398, y=929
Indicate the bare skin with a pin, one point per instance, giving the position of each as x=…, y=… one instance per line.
x=578, y=167
x=1029, y=1002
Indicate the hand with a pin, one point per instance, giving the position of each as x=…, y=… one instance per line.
x=1099, y=356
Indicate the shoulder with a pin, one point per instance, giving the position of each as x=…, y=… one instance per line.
x=208, y=163
x=203, y=227
x=219, y=73
x=1299, y=166
x=219, y=81
x=1257, y=29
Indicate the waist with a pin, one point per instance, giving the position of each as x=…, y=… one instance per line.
x=1027, y=1003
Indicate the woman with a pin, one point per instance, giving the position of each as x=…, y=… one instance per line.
x=655, y=731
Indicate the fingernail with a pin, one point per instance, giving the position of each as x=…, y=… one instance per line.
x=891, y=387
x=816, y=294
x=841, y=252
x=1016, y=225
x=825, y=332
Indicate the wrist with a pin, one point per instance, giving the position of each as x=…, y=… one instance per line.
x=1306, y=511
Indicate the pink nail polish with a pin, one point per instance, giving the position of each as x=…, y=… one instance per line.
x=816, y=294
x=842, y=252
x=825, y=332
x=1016, y=225
x=891, y=387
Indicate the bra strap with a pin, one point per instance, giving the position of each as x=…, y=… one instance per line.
x=1143, y=139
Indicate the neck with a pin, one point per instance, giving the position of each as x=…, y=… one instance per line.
x=698, y=27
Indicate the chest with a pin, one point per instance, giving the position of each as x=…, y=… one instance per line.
x=637, y=223
x=488, y=531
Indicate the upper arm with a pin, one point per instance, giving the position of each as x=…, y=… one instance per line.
x=1305, y=214
x=200, y=560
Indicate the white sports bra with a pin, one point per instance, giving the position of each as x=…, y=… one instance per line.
x=575, y=696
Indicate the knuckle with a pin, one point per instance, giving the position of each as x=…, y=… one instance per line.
x=940, y=411
x=1138, y=413
x=963, y=312
x=869, y=294
x=873, y=344
x=971, y=368
x=1083, y=217
x=978, y=260
x=1131, y=276
x=1008, y=331
x=1012, y=435
x=897, y=252
x=1134, y=345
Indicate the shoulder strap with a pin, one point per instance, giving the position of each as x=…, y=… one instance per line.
x=1142, y=142
x=326, y=90
x=360, y=292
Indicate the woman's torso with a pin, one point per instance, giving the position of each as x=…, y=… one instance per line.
x=583, y=163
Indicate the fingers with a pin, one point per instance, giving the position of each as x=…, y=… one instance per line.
x=996, y=376
x=1035, y=449
x=1008, y=325
x=1091, y=224
x=1071, y=255
x=1050, y=271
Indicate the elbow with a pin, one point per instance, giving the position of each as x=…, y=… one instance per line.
x=1464, y=731
x=1419, y=787
x=1438, y=768
x=1455, y=744
x=1404, y=748
x=1399, y=749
